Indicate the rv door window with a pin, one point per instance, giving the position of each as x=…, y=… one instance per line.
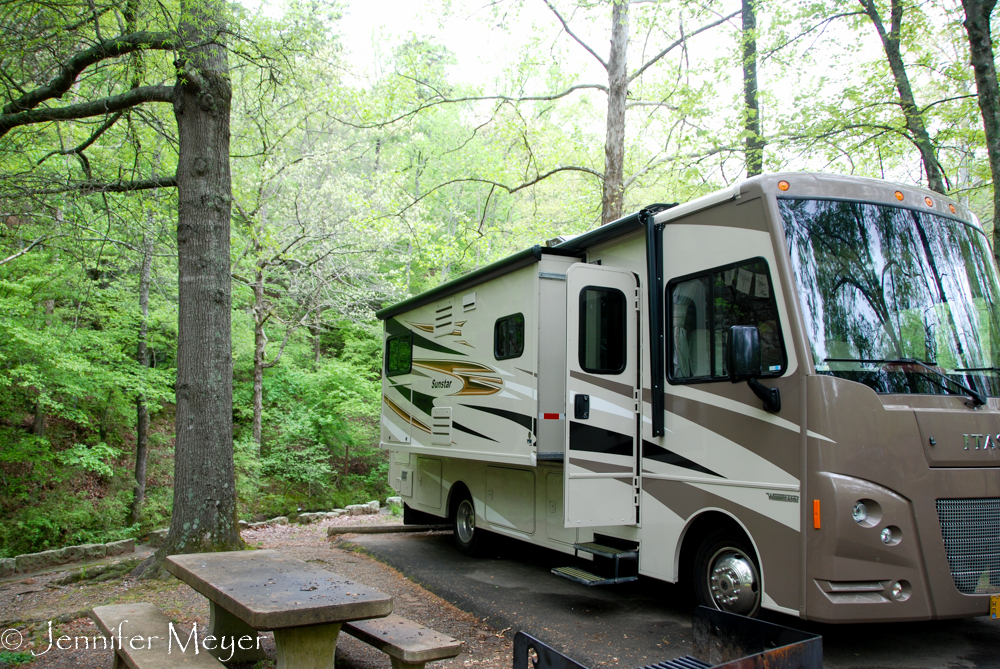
x=602, y=330
x=398, y=354
x=702, y=310
x=508, y=337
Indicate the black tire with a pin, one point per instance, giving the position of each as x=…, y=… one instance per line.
x=469, y=540
x=727, y=574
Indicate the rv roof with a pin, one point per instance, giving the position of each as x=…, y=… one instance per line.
x=805, y=184
x=473, y=278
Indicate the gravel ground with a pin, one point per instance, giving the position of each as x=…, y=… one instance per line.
x=30, y=605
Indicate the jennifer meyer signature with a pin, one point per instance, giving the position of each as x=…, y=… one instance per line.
x=12, y=639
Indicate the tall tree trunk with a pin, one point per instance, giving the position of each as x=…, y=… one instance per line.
x=755, y=139
x=977, y=25
x=141, y=409
x=38, y=425
x=317, y=330
x=614, y=144
x=914, y=119
x=204, y=509
x=259, y=351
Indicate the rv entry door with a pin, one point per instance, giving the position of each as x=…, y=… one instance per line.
x=602, y=360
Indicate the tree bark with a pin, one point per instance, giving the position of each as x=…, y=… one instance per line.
x=914, y=118
x=977, y=25
x=614, y=144
x=38, y=425
x=204, y=509
x=755, y=139
x=141, y=409
x=260, y=315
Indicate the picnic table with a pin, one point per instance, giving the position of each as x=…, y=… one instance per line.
x=304, y=605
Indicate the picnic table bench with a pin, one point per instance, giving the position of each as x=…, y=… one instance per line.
x=124, y=624
x=409, y=645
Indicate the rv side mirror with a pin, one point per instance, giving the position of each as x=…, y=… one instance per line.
x=744, y=364
x=744, y=353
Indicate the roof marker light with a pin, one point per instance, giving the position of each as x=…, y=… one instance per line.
x=783, y=185
x=930, y=202
x=899, y=195
x=952, y=207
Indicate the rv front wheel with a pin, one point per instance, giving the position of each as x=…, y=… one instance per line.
x=727, y=576
x=467, y=537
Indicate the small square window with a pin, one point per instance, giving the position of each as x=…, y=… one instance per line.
x=398, y=354
x=508, y=337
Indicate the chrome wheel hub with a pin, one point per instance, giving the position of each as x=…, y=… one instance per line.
x=465, y=521
x=732, y=581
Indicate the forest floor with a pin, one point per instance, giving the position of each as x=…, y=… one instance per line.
x=33, y=605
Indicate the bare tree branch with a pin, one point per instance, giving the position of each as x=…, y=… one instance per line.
x=90, y=140
x=497, y=184
x=575, y=38
x=652, y=61
x=33, y=244
x=105, y=187
x=108, y=105
x=483, y=98
x=68, y=73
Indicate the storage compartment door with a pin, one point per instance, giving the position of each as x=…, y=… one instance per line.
x=602, y=362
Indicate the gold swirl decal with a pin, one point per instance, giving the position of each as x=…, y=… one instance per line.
x=427, y=327
x=477, y=379
x=399, y=411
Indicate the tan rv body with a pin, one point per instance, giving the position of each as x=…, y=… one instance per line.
x=507, y=431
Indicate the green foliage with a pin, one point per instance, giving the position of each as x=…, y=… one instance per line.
x=320, y=423
x=13, y=658
x=90, y=458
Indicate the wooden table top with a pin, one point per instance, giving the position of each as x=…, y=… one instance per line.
x=270, y=590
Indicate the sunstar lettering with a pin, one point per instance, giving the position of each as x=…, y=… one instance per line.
x=975, y=442
x=441, y=384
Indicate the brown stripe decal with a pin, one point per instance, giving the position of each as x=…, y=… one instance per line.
x=778, y=544
x=775, y=444
x=660, y=454
x=617, y=388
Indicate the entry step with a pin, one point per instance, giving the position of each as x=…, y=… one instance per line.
x=606, y=551
x=585, y=577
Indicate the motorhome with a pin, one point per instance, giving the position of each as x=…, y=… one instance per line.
x=784, y=394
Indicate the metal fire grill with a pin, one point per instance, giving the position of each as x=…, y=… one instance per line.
x=721, y=641
x=971, y=531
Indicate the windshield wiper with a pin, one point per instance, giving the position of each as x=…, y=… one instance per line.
x=977, y=399
x=977, y=369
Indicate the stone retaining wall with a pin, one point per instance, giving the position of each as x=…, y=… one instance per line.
x=55, y=558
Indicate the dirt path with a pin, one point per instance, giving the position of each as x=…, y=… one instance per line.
x=30, y=605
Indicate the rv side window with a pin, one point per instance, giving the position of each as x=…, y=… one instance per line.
x=508, y=337
x=398, y=354
x=602, y=330
x=702, y=310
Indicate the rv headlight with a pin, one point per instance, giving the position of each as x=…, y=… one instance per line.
x=891, y=535
x=859, y=512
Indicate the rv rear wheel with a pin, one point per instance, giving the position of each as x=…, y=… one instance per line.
x=727, y=576
x=467, y=537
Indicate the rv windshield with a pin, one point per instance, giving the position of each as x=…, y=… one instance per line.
x=895, y=298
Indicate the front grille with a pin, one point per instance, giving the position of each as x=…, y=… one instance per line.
x=971, y=531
